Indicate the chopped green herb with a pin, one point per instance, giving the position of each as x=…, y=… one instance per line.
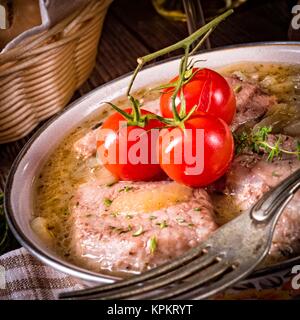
x=153, y=244
x=126, y=189
x=114, y=214
x=240, y=142
x=275, y=174
x=163, y=224
x=129, y=216
x=152, y=217
x=275, y=150
x=107, y=202
x=257, y=141
x=120, y=230
x=138, y=232
x=197, y=209
x=238, y=88
x=191, y=225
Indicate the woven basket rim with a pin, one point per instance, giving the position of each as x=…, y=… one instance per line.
x=39, y=76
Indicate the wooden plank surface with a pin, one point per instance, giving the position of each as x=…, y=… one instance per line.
x=133, y=28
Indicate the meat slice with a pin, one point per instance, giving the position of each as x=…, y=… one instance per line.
x=250, y=176
x=87, y=145
x=135, y=226
x=252, y=102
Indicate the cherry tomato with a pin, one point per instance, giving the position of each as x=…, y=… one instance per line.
x=129, y=152
x=196, y=157
x=208, y=90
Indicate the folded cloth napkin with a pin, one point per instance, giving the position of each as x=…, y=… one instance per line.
x=52, y=12
x=22, y=277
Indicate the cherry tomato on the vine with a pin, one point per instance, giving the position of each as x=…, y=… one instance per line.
x=127, y=151
x=193, y=156
x=208, y=90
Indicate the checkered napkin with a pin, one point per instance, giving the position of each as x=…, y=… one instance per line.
x=22, y=277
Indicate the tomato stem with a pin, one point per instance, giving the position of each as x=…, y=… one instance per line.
x=126, y=115
x=185, y=74
x=200, y=43
x=136, y=109
x=179, y=45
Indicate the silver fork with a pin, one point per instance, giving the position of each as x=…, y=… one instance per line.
x=195, y=17
x=229, y=255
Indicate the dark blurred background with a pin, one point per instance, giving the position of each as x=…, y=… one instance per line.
x=133, y=28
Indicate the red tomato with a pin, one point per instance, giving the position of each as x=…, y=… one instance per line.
x=208, y=90
x=128, y=152
x=193, y=157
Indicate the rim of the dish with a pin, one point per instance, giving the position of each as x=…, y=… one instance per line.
x=69, y=268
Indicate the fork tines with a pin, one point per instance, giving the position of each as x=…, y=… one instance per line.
x=231, y=253
x=196, y=268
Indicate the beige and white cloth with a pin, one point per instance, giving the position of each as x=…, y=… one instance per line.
x=52, y=12
x=23, y=277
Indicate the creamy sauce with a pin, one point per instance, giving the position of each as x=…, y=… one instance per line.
x=64, y=170
x=62, y=173
x=280, y=80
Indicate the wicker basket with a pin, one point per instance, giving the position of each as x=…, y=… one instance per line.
x=39, y=76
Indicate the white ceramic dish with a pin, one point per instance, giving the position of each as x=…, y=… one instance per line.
x=19, y=192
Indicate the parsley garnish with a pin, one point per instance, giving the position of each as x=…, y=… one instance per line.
x=275, y=174
x=163, y=224
x=107, y=202
x=238, y=88
x=257, y=141
x=114, y=214
x=153, y=244
x=126, y=189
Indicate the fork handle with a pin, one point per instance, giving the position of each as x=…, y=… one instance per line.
x=273, y=202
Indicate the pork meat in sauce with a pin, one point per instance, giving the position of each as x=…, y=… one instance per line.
x=252, y=102
x=248, y=179
x=126, y=226
x=134, y=226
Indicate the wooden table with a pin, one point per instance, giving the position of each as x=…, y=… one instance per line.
x=133, y=28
